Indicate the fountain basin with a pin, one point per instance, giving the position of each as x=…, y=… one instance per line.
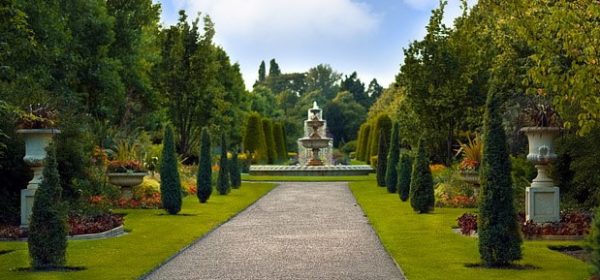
x=298, y=170
x=315, y=143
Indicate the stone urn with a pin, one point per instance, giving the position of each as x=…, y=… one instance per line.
x=126, y=181
x=543, y=197
x=471, y=177
x=36, y=141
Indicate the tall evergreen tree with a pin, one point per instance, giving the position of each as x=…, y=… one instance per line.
x=279, y=141
x=223, y=181
x=170, y=186
x=269, y=140
x=364, y=142
x=498, y=229
x=391, y=174
x=48, y=226
x=404, y=170
x=421, y=185
x=262, y=72
x=234, y=171
x=274, y=70
x=384, y=122
x=203, y=179
x=381, y=158
x=254, y=139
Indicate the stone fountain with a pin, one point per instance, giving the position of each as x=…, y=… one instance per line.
x=315, y=151
x=313, y=142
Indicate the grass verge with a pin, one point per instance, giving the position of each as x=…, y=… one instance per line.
x=426, y=248
x=251, y=178
x=153, y=238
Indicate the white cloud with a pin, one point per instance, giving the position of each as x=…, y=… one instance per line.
x=292, y=21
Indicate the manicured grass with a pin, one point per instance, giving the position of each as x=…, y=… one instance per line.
x=246, y=177
x=153, y=237
x=426, y=248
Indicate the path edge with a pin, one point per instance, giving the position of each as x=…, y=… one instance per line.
x=145, y=275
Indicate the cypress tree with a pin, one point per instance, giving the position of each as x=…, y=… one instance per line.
x=235, y=171
x=170, y=186
x=223, y=183
x=383, y=122
x=269, y=140
x=381, y=158
x=364, y=142
x=279, y=142
x=262, y=72
x=48, y=225
x=391, y=173
x=498, y=229
x=203, y=179
x=404, y=170
x=421, y=184
x=254, y=139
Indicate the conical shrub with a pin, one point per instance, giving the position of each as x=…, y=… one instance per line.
x=381, y=158
x=270, y=141
x=404, y=170
x=421, y=185
x=279, y=142
x=254, y=139
x=391, y=173
x=234, y=171
x=170, y=186
x=203, y=179
x=498, y=229
x=223, y=182
x=47, y=240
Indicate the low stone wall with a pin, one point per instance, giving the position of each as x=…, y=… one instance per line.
x=296, y=170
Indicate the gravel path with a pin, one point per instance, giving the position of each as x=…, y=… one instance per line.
x=297, y=231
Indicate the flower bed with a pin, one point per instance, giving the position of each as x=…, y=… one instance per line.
x=77, y=225
x=572, y=223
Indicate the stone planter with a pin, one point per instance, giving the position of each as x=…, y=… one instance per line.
x=542, y=198
x=36, y=141
x=471, y=177
x=126, y=181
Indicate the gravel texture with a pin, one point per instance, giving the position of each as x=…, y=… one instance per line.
x=297, y=231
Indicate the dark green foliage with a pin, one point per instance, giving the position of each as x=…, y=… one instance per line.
x=262, y=72
x=404, y=170
x=383, y=122
x=203, y=180
x=364, y=139
x=170, y=186
x=594, y=243
x=391, y=174
x=499, y=237
x=269, y=140
x=48, y=226
x=223, y=182
x=235, y=174
x=279, y=142
x=421, y=184
x=381, y=158
x=254, y=140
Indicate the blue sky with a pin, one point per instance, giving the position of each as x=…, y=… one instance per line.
x=350, y=35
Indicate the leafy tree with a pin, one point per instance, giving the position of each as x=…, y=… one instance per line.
x=404, y=170
x=391, y=175
x=353, y=85
x=203, y=179
x=498, y=229
x=48, y=227
x=344, y=116
x=274, y=70
x=170, y=186
x=323, y=79
x=223, y=181
x=235, y=171
x=421, y=185
x=374, y=91
x=267, y=125
x=279, y=142
x=262, y=100
x=254, y=141
x=382, y=153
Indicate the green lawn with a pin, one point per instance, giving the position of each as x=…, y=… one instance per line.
x=246, y=177
x=154, y=237
x=426, y=248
